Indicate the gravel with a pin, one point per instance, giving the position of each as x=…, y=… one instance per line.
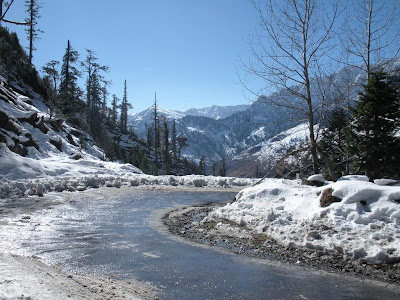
x=186, y=222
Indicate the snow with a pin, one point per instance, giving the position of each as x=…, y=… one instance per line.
x=47, y=168
x=193, y=129
x=24, y=176
x=317, y=177
x=364, y=225
x=267, y=152
x=25, y=278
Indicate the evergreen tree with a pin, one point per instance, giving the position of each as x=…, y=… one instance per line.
x=165, y=144
x=222, y=168
x=333, y=142
x=32, y=8
x=173, y=139
x=104, y=93
x=50, y=70
x=69, y=91
x=114, y=110
x=150, y=136
x=213, y=168
x=94, y=113
x=94, y=88
x=182, y=142
x=156, y=132
x=376, y=119
x=202, y=165
x=125, y=106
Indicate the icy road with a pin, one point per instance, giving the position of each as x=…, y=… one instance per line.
x=121, y=236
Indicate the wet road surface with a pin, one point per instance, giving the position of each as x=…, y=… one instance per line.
x=119, y=237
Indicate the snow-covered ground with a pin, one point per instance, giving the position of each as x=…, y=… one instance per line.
x=364, y=225
x=27, y=278
x=23, y=177
x=57, y=157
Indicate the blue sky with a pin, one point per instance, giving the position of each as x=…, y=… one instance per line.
x=188, y=51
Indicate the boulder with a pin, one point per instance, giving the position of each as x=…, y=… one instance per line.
x=327, y=198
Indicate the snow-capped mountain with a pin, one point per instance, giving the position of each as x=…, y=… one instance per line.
x=216, y=112
x=264, y=156
x=234, y=133
x=140, y=120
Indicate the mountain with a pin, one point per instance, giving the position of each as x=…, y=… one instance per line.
x=235, y=133
x=143, y=118
x=264, y=156
x=216, y=112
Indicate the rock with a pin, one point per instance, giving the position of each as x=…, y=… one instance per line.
x=56, y=143
x=70, y=188
x=327, y=198
x=108, y=184
x=42, y=126
x=314, y=180
x=81, y=187
x=76, y=155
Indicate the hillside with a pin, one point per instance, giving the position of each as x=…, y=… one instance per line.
x=34, y=144
x=243, y=138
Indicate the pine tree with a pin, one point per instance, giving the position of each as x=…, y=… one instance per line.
x=32, y=8
x=50, y=69
x=165, y=143
x=94, y=109
x=333, y=142
x=222, y=168
x=213, y=167
x=94, y=88
x=182, y=142
x=150, y=136
x=114, y=107
x=69, y=91
x=125, y=106
x=156, y=132
x=173, y=139
x=202, y=165
x=376, y=119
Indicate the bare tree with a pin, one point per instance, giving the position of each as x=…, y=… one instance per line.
x=372, y=32
x=289, y=53
x=3, y=13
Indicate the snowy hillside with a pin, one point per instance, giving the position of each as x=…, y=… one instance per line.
x=229, y=133
x=35, y=145
x=267, y=153
x=216, y=112
x=356, y=219
x=139, y=120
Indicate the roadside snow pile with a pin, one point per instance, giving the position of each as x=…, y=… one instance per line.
x=24, y=176
x=364, y=225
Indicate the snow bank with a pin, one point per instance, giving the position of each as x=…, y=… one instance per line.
x=24, y=176
x=364, y=225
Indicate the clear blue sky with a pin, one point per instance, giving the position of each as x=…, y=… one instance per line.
x=188, y=51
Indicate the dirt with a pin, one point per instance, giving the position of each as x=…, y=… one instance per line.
x=186, y=223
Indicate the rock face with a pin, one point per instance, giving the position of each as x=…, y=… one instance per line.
x=327, y=198
x=29, y=131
